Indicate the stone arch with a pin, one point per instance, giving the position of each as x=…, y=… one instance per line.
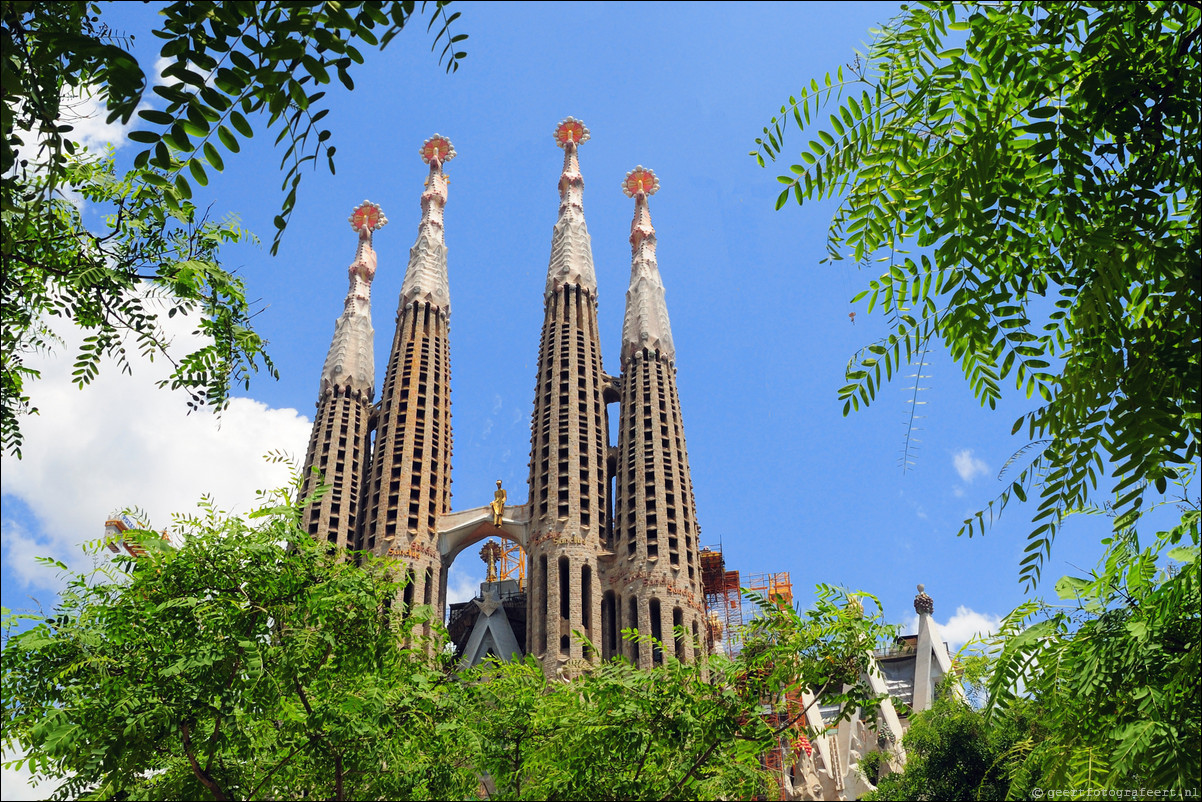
x=460, y=530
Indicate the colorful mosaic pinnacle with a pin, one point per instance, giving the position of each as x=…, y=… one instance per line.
x=437, y=149
x=571, y=130
x=640, y=181
x=367, y=217
x=571, y=249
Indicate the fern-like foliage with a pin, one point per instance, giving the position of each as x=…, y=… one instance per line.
x=1044, y=161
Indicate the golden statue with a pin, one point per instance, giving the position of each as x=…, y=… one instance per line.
x=490, y=553
x=498, y=505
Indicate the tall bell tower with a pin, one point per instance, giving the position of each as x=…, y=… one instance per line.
x=598, y=560
x=340, y=446
x=569, y=436
x=409, y=480
x=656, y=572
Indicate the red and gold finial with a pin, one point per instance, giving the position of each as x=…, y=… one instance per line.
x=437, y=148
x=367, y=217
x=640, y=181
x=571, y=130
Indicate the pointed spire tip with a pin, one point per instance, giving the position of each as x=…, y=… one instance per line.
x=437, y=148
x=571, y=130
x=640, y=181
x=368, y=217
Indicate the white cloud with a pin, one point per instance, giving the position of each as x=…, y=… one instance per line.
x=86, y=113
x=968, y=466
x=462, y=585
x=964, y=625
x=20, y=785
x=162, y=62
x=123, y=442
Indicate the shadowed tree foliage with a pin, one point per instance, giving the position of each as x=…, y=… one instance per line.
x=955, y=752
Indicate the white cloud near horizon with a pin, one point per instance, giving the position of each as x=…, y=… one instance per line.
x=21, y=784
x=122, y=442
x=964, y=625
x=968, y=466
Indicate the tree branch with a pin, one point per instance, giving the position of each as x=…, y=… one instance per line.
x=698, y=763
x=271, y=773
x=205, y=778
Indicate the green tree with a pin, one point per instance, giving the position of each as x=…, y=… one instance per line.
x=956, y=752
x=1041, y=161
x=248, y=661
x=1114, y=669
x=680, y=731
x=230, y=63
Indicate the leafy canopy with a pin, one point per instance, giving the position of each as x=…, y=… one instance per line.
x=955, y=752
x=1116, y=669
x=248, y=661
x=1043, y=159
x=232, y=67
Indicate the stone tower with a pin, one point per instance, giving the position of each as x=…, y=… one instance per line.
x=569, y=436
x=409, y=479
x=656, y=576
x=597, y=560
x=339, y=447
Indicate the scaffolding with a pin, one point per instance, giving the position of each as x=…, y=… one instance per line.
x=723, y=603
x=775, y=587
x=727, y=608
x=512, y=564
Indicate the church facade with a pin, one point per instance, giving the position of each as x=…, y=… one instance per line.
x=609, y=533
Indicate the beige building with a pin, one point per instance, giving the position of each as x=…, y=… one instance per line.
x=597, y=560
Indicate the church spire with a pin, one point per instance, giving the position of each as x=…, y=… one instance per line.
x=646, y=325
x=655, y=523
x=409, y=478
x=426, y=276
x=569, y=437
x=340, y=443
x=571, y=248
x=350, y=362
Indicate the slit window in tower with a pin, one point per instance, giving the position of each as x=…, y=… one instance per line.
x=586, y=599
x=609, y=626
x=542, y=598
x=633, y=620
x=409, y=591
x=429, y=589
x=678, y=631
x=565, y=602
x=657, y=632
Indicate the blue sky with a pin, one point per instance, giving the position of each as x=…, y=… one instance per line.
x=762, y=331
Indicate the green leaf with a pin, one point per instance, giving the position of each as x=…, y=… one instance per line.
x=212, y=156
x=241, y=125
x=228, y=139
